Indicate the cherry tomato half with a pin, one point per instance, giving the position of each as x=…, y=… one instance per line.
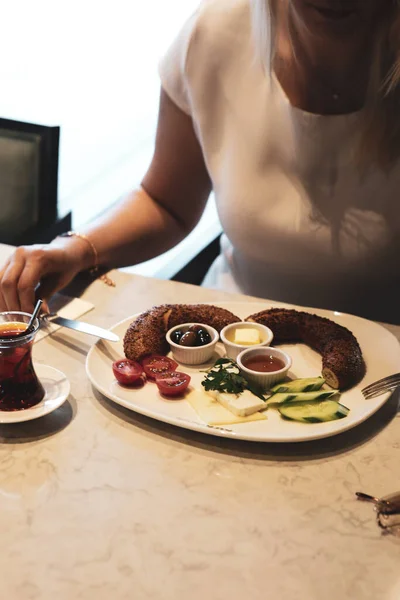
x=157, y=365
x=128, y=372
x=172, y=383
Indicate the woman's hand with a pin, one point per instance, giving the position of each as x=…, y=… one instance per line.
x=41, y=270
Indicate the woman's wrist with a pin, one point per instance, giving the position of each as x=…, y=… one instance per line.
x=80, y=251
x=94, y=267
x=86, y=252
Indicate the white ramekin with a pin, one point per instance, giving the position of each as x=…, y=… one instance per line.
x=193, y=355
x=264, y=380
x=233, y=350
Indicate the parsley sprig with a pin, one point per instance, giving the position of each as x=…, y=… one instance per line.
x=225, y=376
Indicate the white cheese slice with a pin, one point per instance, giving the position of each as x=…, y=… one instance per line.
x=247, y=337
x=243, y=404
x=213, y=413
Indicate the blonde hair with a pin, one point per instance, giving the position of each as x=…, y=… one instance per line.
x=380, y=131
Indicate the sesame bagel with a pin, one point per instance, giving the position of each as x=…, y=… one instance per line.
x=342, y=362
x=146, y=335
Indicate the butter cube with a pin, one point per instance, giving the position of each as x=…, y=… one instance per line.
x=247, y=337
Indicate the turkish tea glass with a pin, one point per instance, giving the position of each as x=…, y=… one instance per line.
x=20, y=387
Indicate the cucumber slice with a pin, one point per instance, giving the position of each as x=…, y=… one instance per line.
x=301, y=397
x=307, y=384
x=314, y=412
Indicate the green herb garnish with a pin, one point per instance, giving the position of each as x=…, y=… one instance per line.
x=225, y=376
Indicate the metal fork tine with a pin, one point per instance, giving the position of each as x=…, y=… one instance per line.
x=379, y=391
x=384, y=381
x=391, y=385
x=371, y=395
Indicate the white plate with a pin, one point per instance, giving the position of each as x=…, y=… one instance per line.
x=381, y=352
x=56, y=387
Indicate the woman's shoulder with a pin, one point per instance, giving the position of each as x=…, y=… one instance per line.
x=209, y=47
x=221, y=34
x=222, y=16
x=223, y=8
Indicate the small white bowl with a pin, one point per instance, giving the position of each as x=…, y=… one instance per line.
x=193, y=355
x=233, y=350
x=264, y=380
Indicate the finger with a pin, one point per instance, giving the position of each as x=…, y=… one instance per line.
x=29, y=280
x=51, y=284
x=3, y=305
x=10, y=280
x=45, y=306
x=26, y=288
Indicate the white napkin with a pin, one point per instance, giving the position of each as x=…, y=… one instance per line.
x=69, y=308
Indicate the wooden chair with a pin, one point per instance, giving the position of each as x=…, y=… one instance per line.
x=28, y=183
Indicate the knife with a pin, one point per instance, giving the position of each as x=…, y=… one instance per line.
x=81, y=326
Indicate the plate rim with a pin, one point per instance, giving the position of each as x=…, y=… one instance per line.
x=224, y=431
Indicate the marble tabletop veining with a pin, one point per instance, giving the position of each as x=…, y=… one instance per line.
x=99, y=503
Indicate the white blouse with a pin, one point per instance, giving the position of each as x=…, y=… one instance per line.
x=301, y=223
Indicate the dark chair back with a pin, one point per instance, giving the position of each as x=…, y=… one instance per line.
x=28, y=183
x=195, y=271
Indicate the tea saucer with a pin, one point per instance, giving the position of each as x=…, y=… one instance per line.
x=57, y=389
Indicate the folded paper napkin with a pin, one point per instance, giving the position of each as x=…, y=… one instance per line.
x=69, y=308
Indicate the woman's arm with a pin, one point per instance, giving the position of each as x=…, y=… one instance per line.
x=176, y=188
x=149, y=221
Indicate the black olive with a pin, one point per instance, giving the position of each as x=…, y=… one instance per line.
x=176, y=336
x=196, y=328
x=203, y=337
x=188, y=339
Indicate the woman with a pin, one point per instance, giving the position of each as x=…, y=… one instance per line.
x=287, y=109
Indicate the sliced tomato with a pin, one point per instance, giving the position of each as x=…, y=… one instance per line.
x=129, y=372
x=157, y=365
x=172, y=383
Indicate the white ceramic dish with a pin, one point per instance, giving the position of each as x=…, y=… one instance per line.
x=192, y=355
x=57, y=389
x=233, y=350
x=264, y=380
x=381, y=352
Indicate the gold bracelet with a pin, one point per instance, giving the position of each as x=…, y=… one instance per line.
x=107, y=280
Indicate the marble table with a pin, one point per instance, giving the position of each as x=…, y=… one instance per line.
x=98, y=503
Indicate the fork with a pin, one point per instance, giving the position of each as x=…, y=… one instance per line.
x=377, y=388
